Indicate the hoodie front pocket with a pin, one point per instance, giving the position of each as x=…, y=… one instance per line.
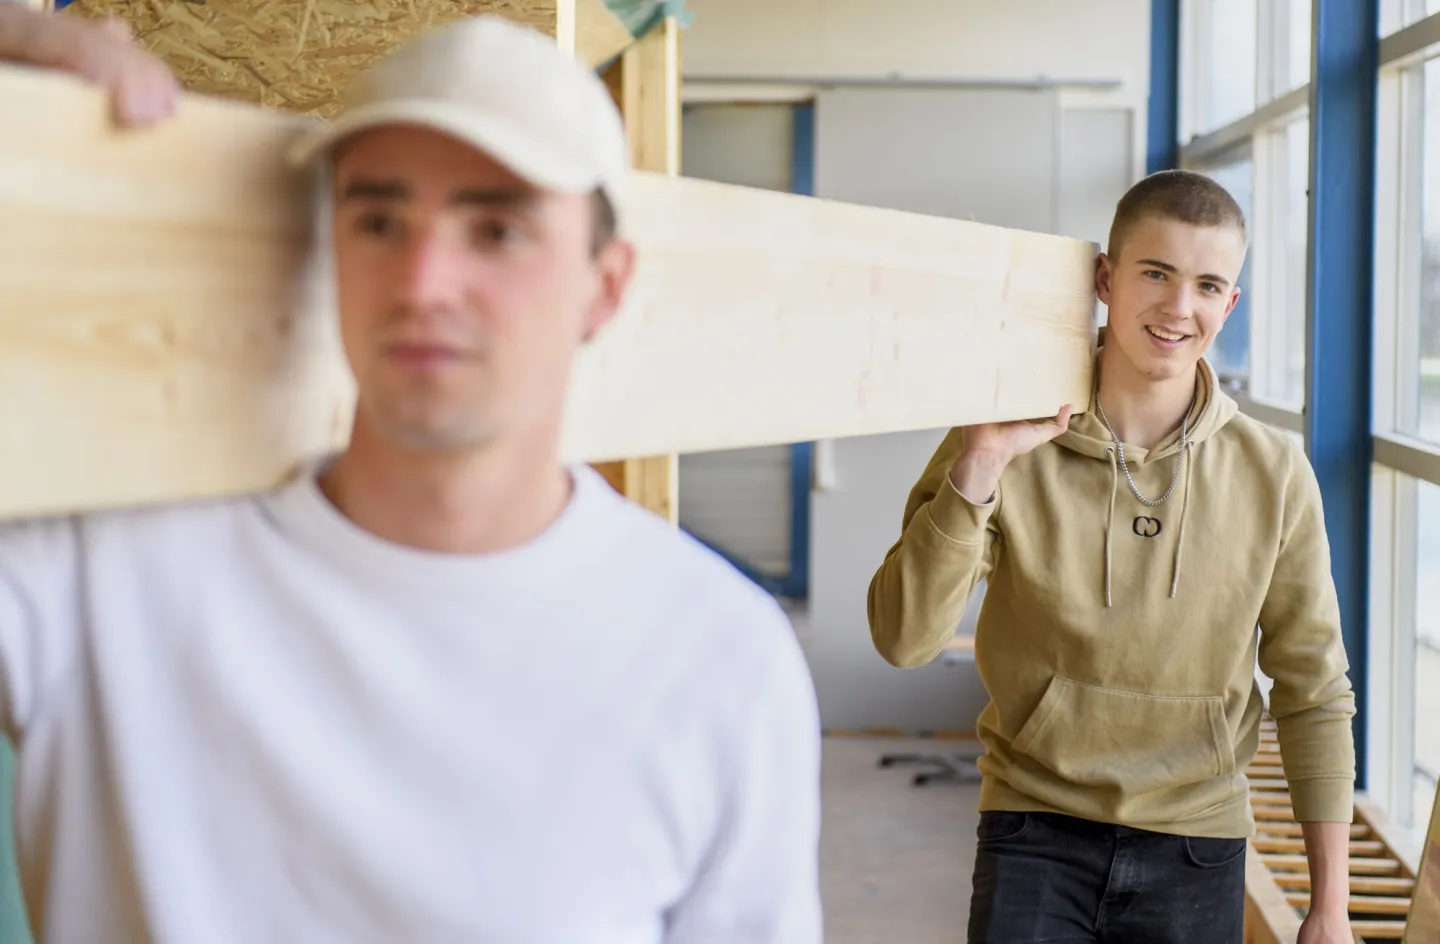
x=1130, y=742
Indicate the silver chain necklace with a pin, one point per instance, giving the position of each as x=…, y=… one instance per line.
x=1120, y=451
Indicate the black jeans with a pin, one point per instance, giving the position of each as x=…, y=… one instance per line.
x=1054, y=879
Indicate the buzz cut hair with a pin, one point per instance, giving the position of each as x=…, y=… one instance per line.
x=1180, y=195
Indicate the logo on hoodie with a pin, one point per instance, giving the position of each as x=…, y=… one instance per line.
x=1146, y=527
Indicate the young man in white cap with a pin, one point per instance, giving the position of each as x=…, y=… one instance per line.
x=441, y=687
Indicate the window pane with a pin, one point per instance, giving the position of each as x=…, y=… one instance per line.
x=1429, y=348
x=1229, y=62
x=1397, y=14
x=1427, y=649
x=1287, y=367
x=1230, y=354
x=1298, y=55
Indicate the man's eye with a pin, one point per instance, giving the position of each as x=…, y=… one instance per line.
x=495, y=232
x=1154, y=273
x=377, y=224
x=1210, y=286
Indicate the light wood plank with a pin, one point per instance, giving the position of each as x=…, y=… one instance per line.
x=1399, y=844
x=1379, y=930
x=1357, y=831
x=1359, y=884
x=158, y=347
x=1269, y=919
x=1298, y=863
x=1359, y=904
x=1357, y=848
x=650, y=103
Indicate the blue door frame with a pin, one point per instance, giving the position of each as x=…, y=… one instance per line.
x=796, y=583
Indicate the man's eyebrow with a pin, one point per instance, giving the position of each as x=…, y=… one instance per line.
x=367, y=189
x=1157, y=264
x=500, y=197
x=504, y=197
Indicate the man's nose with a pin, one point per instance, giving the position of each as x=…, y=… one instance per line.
x=1180, y=300
x=432, y=267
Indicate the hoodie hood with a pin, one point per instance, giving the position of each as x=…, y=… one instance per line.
x=1088, y=436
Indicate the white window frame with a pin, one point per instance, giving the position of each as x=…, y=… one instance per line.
x=1401, y=462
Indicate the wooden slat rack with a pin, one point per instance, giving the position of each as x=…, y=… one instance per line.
x=1383, y=863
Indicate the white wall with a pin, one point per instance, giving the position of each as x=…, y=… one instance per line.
x=981, y=39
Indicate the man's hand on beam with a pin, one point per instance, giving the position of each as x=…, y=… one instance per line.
x=143, y=89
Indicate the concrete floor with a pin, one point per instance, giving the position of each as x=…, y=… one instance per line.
x=895, y=860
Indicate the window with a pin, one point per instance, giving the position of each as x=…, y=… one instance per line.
x=1297, y=36
x=1220, y=50
x=1427, y=418
x=1281, y=243
x=1416, y=310
x=1405, y=562
x=1424, y=654
x=1230, y=353
x=1397, y=14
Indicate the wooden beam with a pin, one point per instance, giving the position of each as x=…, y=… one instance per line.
x=599, y=34
x=649, y=100
x=1424, y=922
x=1269, y=919
x=160, y=339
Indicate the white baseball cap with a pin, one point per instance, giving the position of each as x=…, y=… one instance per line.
x=505, y=89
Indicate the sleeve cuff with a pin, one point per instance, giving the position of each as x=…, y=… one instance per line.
x=1323, y=801
x=958, y=518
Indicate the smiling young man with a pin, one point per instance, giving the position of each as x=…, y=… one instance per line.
x=440, y=687
x=1129, y=555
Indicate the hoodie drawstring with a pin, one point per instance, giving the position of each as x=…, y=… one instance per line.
x=1110, y=520
x=1184, y=510
x=1186, y=460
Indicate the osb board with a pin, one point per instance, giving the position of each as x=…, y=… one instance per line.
x=300, y=55
x=154, y=345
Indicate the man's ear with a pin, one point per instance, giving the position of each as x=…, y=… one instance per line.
x=614, y=268
x=1104, y=278
x=1234, y=298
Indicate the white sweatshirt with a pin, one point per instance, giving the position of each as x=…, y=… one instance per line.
x=251, y=721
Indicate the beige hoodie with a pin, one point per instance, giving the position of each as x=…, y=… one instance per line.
x=1117, y=641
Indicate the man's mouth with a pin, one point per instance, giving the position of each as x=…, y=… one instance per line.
x=1161, y=334
x=422, y=354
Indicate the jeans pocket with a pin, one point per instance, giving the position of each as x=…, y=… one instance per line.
x=1002, y=826
x=1210, y=853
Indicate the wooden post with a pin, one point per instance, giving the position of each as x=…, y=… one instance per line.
x=646, y=84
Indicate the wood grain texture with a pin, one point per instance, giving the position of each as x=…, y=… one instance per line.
x=1269, y=918
x=1424, y=921
x=160, y=339
x=648, y=87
